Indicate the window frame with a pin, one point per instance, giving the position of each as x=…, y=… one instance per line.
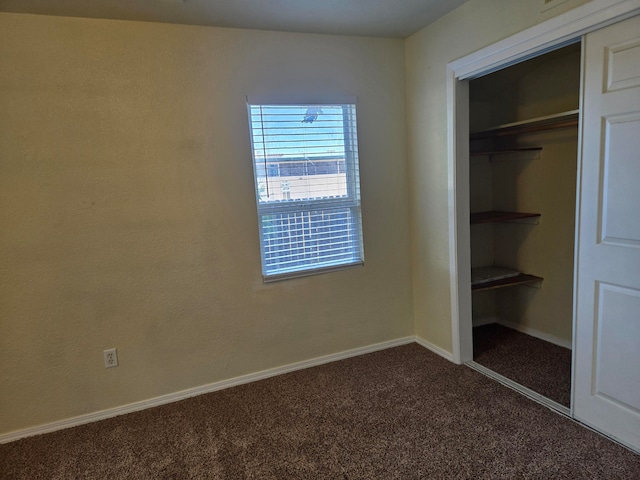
x=352, y=200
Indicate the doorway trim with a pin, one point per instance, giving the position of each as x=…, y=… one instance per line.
x=549, y=35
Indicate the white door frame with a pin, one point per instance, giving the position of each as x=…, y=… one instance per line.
x=551, y=34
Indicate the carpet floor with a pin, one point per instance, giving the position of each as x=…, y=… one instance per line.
x=401, y=413
x=541, y=366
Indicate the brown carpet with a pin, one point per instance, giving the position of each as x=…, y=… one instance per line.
x=541, y=366
x=403, y=413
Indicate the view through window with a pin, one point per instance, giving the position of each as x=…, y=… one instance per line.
x=305, y=161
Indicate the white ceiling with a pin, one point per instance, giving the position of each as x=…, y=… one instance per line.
x=378, y=18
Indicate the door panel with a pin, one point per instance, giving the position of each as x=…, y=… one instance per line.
x=621, y=195
x=616, y=360
x=623, y=65
x=607, y=338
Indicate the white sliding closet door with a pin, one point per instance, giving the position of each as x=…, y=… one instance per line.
x=607, y=339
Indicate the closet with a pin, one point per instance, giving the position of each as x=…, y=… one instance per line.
x=601, y=77
x=522, y=198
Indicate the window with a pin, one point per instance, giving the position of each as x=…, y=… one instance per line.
x=305, y=163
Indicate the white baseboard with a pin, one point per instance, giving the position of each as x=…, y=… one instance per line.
x=524, y=329
x=478, y=322
x=192, y=392
x=434, y=348
x=538, y=334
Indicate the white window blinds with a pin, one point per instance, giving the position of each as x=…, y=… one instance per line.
x=305, y=161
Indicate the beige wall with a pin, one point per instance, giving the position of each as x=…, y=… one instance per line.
x=128, y=212
x=476, y=24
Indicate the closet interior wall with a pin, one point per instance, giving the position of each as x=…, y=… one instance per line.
x=540, y=181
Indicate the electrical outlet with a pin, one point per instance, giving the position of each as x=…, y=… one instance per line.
x=110, y=358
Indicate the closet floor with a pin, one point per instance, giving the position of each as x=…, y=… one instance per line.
x=541, y=366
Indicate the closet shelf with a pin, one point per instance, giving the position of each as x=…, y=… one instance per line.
x=496, y=216
x=549, y=122
x=520, y=279
x=488, y=153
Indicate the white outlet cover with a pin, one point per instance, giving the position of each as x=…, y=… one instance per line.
x=110, y=358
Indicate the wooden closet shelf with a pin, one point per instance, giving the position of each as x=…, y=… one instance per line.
x=539, y=124
x=488, y=153
x=495, y=216
x=521, y=279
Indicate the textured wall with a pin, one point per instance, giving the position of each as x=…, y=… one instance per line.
x=128, y=212
x=476, y=24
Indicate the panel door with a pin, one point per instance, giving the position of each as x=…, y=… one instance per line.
x=607, y=339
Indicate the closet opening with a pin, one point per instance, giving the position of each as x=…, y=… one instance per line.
x=523, y=155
